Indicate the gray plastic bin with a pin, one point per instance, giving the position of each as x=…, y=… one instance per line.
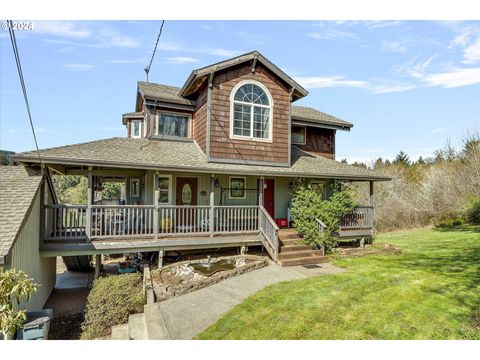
x=37, y=325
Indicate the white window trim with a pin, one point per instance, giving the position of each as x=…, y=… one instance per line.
x=270, y=120
x=132, y=194
x=305, y=141
x=189, y=126
x=230, y=188
x=170, y=187
x=131, y=129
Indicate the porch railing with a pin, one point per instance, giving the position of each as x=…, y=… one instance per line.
x=236, y=219
x=269, y=230
x=121, y=220
x=361, y=218
x=65, y=221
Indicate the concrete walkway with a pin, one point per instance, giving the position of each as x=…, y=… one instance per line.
x=188, y=315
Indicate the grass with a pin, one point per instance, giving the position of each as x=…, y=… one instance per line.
x=429, y=291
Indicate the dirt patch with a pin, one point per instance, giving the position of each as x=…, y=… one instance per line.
x=367, y=250
x=66, y=327
x=180, y=278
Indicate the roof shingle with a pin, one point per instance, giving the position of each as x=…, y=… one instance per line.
x=18, y=186
x=187, y=156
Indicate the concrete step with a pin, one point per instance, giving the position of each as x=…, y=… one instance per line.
x=120, y=332
x=155, y=323
x=299, y=254
x=304, y=261
x=287, y=231
x=137, y=329
x=289, y=236
x=287, y=242
x=289, y=248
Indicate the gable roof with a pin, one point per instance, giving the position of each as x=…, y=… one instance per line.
x=170, y=94
x=200, y=75
x=18, y=186
x=187, y=156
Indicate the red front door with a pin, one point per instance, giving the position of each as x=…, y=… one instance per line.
x=269, y=197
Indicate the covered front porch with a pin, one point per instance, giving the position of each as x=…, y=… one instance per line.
x=180, y=211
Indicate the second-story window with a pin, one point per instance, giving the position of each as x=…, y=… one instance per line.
x=175, y=125
x=136, y=128
x=251, y=112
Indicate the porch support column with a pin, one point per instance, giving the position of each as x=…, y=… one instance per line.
x=98, y=265
x=160, y=259
x=212, y=204
x=88, y=220
x=155, y=210
x=261, y=185
x=372, y=202
x=372, y=195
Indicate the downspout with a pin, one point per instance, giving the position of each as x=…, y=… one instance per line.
x=209, y=110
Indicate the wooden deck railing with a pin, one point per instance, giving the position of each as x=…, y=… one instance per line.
x=236, y=219
x=64, y=222
x=269, y=230
x=360, y=218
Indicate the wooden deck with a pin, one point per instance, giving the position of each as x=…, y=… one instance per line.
x=140, y=244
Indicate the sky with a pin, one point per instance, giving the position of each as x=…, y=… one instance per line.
x=405, y=85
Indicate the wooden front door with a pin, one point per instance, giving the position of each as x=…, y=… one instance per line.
x=186, y=191
x=186, y=217
x=269, y=197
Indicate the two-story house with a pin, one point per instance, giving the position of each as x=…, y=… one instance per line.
x=207, y=165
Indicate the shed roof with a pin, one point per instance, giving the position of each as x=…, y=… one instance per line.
x=18, y=186
x=187, y=156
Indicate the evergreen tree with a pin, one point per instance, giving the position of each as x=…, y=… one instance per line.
x=402, y=159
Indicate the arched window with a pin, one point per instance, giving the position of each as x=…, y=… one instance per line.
x=251, y=112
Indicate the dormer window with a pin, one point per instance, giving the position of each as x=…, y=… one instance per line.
x=136, y=129
x=251, y=112
x=173, y=125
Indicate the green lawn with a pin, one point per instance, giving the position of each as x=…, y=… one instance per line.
x=430, y=291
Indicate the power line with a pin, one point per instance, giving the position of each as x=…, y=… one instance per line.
x=147, y=69
x=22, y=82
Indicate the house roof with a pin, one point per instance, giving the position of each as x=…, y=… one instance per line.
x=170, y=94
x=199, y=75
x=131, y=115
x=18, y=186
x=311, y=115
x=187, y=156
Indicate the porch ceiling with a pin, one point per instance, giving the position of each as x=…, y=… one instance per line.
x=187, y=156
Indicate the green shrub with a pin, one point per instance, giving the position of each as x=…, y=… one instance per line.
x=109, y=303
x=473, y=212
x=307, y=206
x=449, y=222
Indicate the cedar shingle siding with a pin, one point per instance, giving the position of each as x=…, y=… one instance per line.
x=199, y=127
x=320, y=142
x=221, y=146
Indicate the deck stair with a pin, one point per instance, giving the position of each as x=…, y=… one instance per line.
x=294, y=252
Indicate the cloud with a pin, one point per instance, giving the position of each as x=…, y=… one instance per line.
x=180, y=60
x=331, y=34
x=453, y=78
x=78, y=67
x=398, y=46
x=66, y=29
x=471, y=54
x=251, y=38
x=373, y=86
x=437, y=130
x=42, y=130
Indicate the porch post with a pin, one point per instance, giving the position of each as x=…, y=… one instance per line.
x=160, y=258
x=98, y=265
x=372, y=202
x=212, y=204
x=88, y=220
x=155, y=202
x=261, y=185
